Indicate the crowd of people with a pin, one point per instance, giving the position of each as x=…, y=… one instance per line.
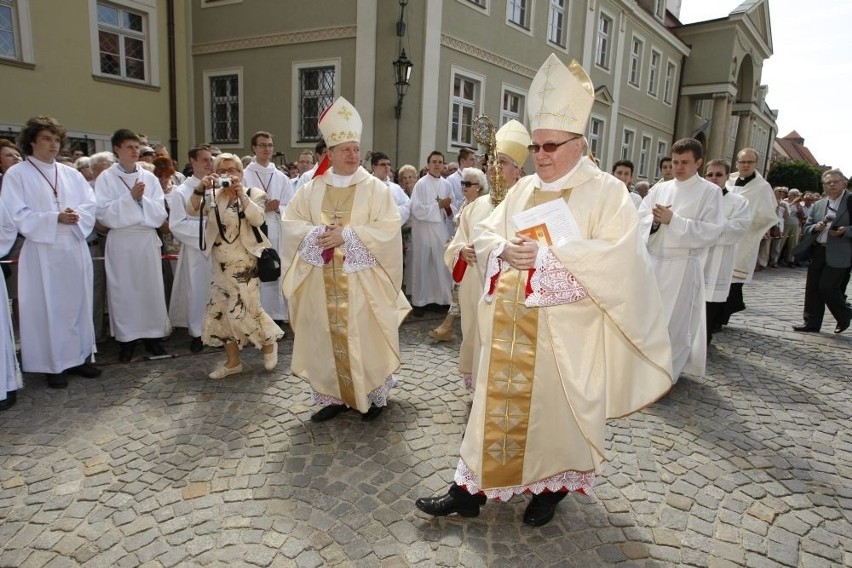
x=526, y=262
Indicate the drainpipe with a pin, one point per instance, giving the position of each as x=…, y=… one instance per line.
x=173, y=140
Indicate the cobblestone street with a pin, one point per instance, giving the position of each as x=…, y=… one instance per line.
x=154, y=464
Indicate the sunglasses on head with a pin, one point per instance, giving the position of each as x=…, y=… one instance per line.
x=468, y=183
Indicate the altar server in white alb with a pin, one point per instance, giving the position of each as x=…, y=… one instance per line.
x=719, y=267
x=262, y=173
x=10, y=374
x=53, y=207
x=191, y=288
x=688, y=219
x=131, y=204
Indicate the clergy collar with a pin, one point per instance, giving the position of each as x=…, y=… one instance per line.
x=434, y=177
x=124, y=171
x=742, y=181
x=560, y=183
x=341, y=181
x=42, y=163
x=254, y=164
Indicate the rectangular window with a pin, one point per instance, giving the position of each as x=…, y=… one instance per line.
x=512, y=107
x=517, y=12
x=465, y=97
x=660, y=9
x=9, y=35
x=122, y=42
x=596, y=129
x=668, y=89
x=662, y=152
x=654, y=73
x=627, y=145
x=644, y=156
x=316, y=93
x=635, y=62
x=556, y=27
x=480, y=3
x=602, y=47
x=225, y=109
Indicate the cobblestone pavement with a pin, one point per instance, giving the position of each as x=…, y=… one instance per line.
x=154, y=464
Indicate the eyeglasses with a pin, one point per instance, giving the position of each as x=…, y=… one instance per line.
x=831, y=181
x=384, y=164
x=265, y=145
x=746, y=161
x=715, y=174
x=549, y=147
x=468, y=183
x=229, y=171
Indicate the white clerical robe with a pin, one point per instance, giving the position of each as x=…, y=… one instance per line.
x=590, y=342
x=137, y=303
x=277, y=186
x=55, y=268
x=403, y=202
x=10, y=374
x=761, y=205
x=678, y=251
x=191, y=287
x=430, y=279
x=719, y=267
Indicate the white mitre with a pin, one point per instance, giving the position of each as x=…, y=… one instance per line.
x=512, y=140
x=340, y=123
x=560, y=98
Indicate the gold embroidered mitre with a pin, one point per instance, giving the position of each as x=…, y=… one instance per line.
x=340, y=123
x=560, y=97
x=512, y=140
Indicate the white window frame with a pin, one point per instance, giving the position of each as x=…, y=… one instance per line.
x=628, y=140
x=662, y=152
x=600, y=39
x=148, y=8
x=22, y=32
x=526, y=26
x=554, y=8
x=217, y=3
x=479, y=89
x=669, y=82
x=654, y=73
x=506, y=115
x=295, y=94
x=597, y=139
x=644, y=156
x=208, y=106
x=660, y=9
x=481, y=6
x=635, y=67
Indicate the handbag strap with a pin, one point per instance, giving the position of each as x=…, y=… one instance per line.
x=253, y=228
x=219, y=222
x=202, y=243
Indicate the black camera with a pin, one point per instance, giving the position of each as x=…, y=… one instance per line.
x=223, y=182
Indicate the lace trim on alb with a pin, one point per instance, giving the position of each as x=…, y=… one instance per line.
x=582, y=481
x=495, y=265
x=309, y=248
x=467, y=381
x=552, y=284
x=378, y=397
x=356, y=256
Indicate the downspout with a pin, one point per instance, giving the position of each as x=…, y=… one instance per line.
x=170, y=27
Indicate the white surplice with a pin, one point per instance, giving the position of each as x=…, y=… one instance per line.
x=191, y=287
x=403, y=202
x=10, y=374
x=761, y=206
x=137, y=303
x=719, y=267
x=431, y=281
x=55, y=270
x=277, y=186
x=678, y=251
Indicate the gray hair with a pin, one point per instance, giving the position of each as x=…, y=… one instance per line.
x=101, y=159
x=833, y=171
x=82, y=163
x=229, y=158
x=478, y=174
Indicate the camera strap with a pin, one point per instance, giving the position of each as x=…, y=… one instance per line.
x=219, y=221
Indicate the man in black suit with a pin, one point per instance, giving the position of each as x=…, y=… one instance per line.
x=828, y=273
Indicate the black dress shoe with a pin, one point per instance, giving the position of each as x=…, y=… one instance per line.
x=373, y=413
x=196, y=345
x=457, y=500
x=153, y=347
x=11, y=399
x=328, y=412
x=86, y=370
x=841, y=327
x=56, y=381
x=542, y=508
x=126, y=353
x=418, y=312
x=806, y=328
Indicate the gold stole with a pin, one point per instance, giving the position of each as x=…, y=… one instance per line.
x=337, y=209
x=511, y=370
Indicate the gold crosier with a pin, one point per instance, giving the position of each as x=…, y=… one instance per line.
x=485, y=134
x=336, y=210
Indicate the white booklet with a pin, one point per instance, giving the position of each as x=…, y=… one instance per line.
x=548, y=223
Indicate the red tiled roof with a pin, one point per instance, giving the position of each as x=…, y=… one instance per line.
x=795, y=150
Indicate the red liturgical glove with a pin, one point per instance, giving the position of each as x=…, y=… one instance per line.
x=458, y=269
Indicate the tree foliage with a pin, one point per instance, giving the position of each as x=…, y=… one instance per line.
x=795, y=173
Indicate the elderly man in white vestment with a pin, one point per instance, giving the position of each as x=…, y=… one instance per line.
x=746, y=181
x=191, y=289
x=262, y=173
x=131, y=204
x=719, y=266
x=10, y=374
x=53, y=207
x=688, y=218
x=342, y=266
x=563, y=348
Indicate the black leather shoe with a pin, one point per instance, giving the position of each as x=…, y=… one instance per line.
x=541, y=509
x=56, y=381
x=841, y=327
x=85, y=370
x=196, y=345
x=153, y=347
x=457, y=500
x=418, y=312
x=806, y=328
x=11, y=399
x=125, y=355
x=373, y=413
x=328, y=412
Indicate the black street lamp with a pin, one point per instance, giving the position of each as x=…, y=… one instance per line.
x=402, y=74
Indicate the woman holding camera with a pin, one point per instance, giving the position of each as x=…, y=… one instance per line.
x=234, y=314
